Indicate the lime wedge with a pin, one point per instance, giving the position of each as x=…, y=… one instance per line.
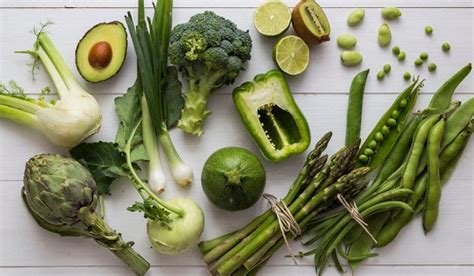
x=291, y=54
x=272, y=18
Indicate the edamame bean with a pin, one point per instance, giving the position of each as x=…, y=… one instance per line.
x=391, y=13
x=433, y=191
x=401, y=56
x=446, y=47
x=396, y=50
x=380, y=75
x=428, y=30
x=385, y=35
x=355, y=17
x=418, y=62
x=424, y=56
x=431, y=67
x=419, y=140
x=346, y=41
x=351, y=58
x=406, y=75
x=387, y=68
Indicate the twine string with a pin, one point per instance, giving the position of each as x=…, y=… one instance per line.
x=286, y=221
x=355, y=215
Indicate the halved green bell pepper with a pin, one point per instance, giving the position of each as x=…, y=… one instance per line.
x=271, y=116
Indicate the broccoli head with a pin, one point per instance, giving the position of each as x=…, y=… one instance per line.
x=210, y=52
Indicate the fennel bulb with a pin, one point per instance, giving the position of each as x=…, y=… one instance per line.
x=65, y=122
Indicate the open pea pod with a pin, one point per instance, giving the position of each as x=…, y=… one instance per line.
x=385, y=134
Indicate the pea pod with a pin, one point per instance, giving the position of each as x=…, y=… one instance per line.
x=442, y=98
x=416, y=151
x=404, y=105
x=354, y=109
x=447, y=159
x=433, y=191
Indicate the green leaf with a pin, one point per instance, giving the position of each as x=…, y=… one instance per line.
x=129, y=112
x=151, y=210
x=174, y=97
x=105, y=161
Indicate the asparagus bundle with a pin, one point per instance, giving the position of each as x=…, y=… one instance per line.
x=314, y=190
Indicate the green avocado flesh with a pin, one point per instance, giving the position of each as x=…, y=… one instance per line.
x=233, y=178
x=101, y=52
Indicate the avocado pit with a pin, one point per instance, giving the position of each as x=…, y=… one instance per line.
x=100, y=55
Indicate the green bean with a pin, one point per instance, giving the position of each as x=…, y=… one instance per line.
x=354, y=108
x=433, y=191
x=458, y=121
x=358, y=258
x=404, y=105
x=449, y=154
x=442, y=98
x=416, y=151
x=353, y=236
x=446, y=47
x=365, y=243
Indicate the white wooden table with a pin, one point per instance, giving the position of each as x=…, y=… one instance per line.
x=321, y=92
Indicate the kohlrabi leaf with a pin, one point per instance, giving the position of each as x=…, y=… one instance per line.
x=129, y=112
x=174, y=97
x=105, y=161
x=151, y=210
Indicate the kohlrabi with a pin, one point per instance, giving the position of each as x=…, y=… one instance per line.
x=66, y=121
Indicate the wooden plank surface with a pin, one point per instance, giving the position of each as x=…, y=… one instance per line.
x=25, y=249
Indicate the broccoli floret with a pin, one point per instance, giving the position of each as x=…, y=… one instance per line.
x=210, y=52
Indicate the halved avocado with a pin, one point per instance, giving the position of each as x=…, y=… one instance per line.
x=101, y=52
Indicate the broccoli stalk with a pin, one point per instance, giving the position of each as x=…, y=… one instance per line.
x=210, y=51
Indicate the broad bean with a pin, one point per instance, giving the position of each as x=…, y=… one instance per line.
x=346, y=41
x=355, y=17
x=384, y=35
x=391, y=13
x=351, y=58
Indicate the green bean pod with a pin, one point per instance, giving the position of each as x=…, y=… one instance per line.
x=416, y=151
x=403, y=105
x=433, y=191
x=354, y=108
x=447, y=159
x=442, y=98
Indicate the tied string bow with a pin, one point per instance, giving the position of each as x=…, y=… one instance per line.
x=355, y=215
x=286, y=221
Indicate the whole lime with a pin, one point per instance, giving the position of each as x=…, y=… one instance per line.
x=233, y=178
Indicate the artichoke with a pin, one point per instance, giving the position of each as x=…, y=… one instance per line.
x=61, y=196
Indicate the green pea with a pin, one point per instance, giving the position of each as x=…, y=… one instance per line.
x=401, y=56
x=355, y=17
x=368, y=152
x=404, y=102
x=372, y=144
x=418, y=62
x=424, y=55
x=406, y=75
x=385, y=130
x=428, y=30
x=391, y=122
x=385, y=35
x=351, y=58
x=379, y=136
x=391, y=13
x=387, y=68
x=363, y=158
x=396, y=50
x=395, y=114
x=346, y=41
x=446, y=47
x=432, y=67
x=380, y=75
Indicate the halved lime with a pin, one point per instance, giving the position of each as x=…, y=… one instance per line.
x=291, y=54
x=272, y=18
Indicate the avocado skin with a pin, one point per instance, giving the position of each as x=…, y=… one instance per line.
x=84, y=72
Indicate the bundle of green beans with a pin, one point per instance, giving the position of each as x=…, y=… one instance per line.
x=314, y=190
x=413, y=169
